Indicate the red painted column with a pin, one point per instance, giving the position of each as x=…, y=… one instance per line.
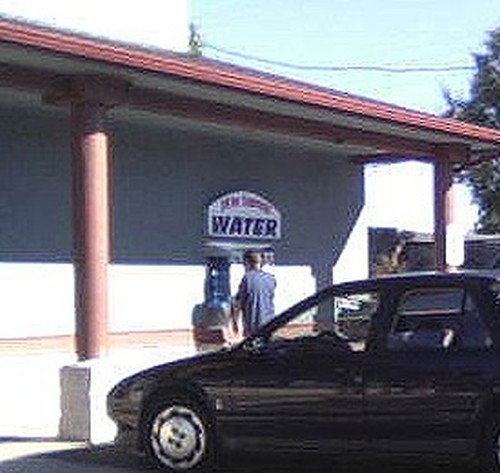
x=443, y=203
x=90, y=227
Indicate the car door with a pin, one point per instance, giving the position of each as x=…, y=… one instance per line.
x=310, y=394
x=424, y=388
x=253, y=395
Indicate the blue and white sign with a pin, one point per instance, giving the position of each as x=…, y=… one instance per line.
x=244, y=214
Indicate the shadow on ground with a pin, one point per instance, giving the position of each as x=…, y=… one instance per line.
x=43, y=456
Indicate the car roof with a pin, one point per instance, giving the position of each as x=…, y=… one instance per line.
x=397, y=280
x=422, y=277
x=407, y=280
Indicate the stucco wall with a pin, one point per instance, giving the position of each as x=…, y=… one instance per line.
x=35, y=185
x=164, y=177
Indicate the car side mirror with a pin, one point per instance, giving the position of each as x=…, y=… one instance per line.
x=255, y=344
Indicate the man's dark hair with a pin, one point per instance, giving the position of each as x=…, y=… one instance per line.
x=251, y=256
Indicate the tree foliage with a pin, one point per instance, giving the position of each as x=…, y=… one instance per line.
x=483, y=108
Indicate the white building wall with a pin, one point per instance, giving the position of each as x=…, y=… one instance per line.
x=149, y=297
x=38, y=298
x=353, y=261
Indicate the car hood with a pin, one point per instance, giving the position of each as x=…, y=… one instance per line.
x=212, y=362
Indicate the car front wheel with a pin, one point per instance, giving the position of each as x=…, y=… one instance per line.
x=177, y=436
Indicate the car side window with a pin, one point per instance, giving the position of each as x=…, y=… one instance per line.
x=437, y=319
x=344, y=319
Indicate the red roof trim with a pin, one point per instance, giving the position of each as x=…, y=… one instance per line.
x=229, y=76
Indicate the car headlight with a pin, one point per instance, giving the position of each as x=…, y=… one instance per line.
x=125, y=398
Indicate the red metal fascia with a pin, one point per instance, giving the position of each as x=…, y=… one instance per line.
x=214, y=73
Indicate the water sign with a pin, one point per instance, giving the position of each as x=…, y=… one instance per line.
x=244, y=214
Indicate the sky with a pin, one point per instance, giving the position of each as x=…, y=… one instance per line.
x=346, y=34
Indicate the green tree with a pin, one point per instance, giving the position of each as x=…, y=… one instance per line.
x=483, y=108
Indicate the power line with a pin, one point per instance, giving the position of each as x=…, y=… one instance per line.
x=303, y=67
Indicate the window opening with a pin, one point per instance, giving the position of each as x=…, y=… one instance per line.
x=437, y=319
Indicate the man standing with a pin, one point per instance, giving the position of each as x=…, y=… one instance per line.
x=255, y=297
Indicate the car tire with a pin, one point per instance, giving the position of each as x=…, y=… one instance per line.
x=490, y=448
x=177, y=436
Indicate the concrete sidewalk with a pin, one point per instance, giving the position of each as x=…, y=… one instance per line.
x=17, y=448
x=48, y=456
x=31, y=399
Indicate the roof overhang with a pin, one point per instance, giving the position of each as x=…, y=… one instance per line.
x=59, y=66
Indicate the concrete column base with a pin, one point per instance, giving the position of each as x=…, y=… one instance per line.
x=84, y=387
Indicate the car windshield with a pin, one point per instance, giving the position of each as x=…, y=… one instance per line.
x=345, y=318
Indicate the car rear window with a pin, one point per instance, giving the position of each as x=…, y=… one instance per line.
x=437, y=318
x=439, y=306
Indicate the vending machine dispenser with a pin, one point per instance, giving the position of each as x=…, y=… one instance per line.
x=217, y=290
x=235, y=222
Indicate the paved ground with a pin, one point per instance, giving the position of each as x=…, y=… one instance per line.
x=45, y=456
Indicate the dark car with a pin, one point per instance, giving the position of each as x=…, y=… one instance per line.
x=404, y=365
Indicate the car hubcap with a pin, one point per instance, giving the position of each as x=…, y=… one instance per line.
x=178, y=437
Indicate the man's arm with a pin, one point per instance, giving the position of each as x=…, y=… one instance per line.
x=235, y=313
x=237, y=306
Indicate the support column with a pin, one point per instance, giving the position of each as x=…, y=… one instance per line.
x=90, y=227
x=323, y=274
x=443, y=203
